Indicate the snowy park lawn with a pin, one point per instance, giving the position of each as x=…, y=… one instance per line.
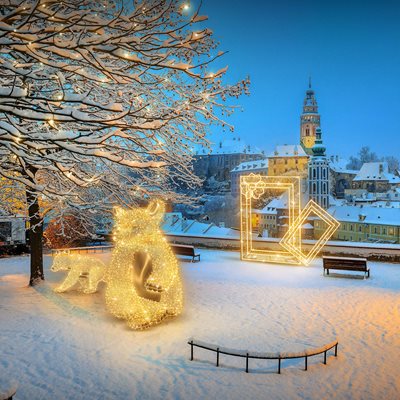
x=66, y=346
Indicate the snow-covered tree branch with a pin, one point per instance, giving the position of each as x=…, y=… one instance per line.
x=100, y=96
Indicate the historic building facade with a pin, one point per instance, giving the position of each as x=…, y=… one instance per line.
x=289, y=159
x=310, y=120
x=375, y=177
x=318, y=173
x=223, y=158
x=258, y=167
x=363, y=224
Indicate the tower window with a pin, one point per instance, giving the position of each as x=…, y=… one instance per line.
x=307, y=131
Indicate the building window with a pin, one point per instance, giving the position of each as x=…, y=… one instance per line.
x=384, y=231
x=307, y=131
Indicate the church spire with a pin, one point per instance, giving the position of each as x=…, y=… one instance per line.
x=309, y=120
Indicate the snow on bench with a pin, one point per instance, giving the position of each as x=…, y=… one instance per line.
x=263, y=355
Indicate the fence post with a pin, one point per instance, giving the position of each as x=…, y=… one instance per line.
x=217, y=356
x=279, y=365
x=325, y=357
x=191, y=350
x=305, y=358
x=247, y=362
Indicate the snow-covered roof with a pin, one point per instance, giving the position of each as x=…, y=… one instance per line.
x=307, y=226
x=333, y=201
x=251, y=166
x=275, y=204
x=339, y=165
x=288, y=150
x=366, y=214
x=376, y=171
x=385, y=204
x=175, y=223
x=229, y=146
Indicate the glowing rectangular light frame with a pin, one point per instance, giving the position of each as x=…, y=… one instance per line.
x=253, y=187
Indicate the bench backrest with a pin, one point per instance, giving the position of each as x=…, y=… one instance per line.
x=183, y=250
x=344, y=262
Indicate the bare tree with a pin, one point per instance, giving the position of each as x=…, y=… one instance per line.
x=365, y=155
x=102, y=102
x=393, y=164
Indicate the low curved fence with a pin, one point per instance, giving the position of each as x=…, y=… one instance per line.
x=263, y=356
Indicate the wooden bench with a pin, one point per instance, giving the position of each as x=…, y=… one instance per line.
x=346, y=264
x=185, y=250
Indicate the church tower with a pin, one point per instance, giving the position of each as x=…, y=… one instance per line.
x=309, y=121
x=318, y=173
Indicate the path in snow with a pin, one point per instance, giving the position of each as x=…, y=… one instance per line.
x=67, y=346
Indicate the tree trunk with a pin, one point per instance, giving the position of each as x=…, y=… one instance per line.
x=35, y=234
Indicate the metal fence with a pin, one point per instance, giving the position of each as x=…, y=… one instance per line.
x=263, y=356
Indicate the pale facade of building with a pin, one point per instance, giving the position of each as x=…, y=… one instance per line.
x=259, y=167
x=288, y=160
x=310, y=120
x=318, y=174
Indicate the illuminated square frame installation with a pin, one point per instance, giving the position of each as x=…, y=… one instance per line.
x=252, y=187
x=295, y=228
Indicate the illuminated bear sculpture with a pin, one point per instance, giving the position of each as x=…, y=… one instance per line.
x=143, y=281
x=84, y=272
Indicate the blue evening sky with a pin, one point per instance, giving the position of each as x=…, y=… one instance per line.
x=350, y=48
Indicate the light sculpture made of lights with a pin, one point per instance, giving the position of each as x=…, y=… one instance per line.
x=253, y=187
x=84, y=272
x=143, y=283
x=143, y=280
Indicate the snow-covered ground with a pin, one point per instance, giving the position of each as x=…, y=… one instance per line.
x=68, y=347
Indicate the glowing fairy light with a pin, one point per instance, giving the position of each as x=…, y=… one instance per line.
x=253, y=187
x=143, y=281
x=84, y=272
x=295, y=228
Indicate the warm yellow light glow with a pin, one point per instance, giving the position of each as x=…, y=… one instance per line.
x=295, y=228
x=143, y=281
x=253, y=187
x=83, y=270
